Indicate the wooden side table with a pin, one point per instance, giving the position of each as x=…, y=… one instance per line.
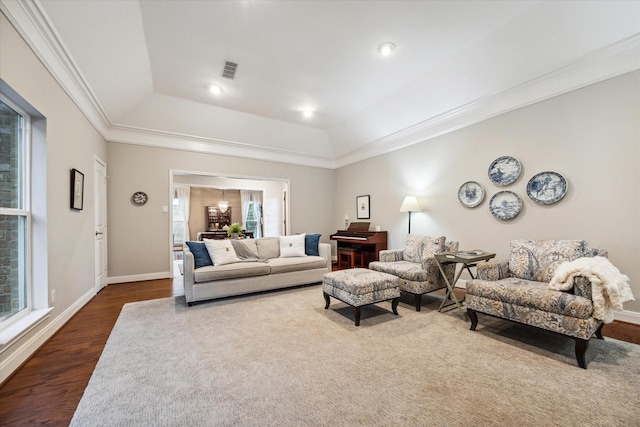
x=468, y=259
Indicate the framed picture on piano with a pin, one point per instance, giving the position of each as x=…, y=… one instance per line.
x=362, y=207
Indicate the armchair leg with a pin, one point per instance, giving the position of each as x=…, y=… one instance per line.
x=599, y=332
x=417, y=298
x=473, y=316
x=581, y=349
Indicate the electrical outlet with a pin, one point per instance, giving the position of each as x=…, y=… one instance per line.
x=53, y=296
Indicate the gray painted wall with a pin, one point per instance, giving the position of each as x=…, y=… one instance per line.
x=71, y=142
x=139, y=241
x=591, y=136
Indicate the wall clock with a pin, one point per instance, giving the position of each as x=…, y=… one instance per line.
x=139, y=198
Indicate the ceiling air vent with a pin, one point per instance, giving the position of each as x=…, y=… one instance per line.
x=229, y=71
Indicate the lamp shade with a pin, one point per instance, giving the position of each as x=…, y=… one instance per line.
x=410, y=204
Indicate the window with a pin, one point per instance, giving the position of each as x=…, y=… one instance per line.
x=15, y=289
x=251, y=222
x=178, y=222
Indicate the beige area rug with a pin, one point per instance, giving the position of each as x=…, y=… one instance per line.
x=281, y=359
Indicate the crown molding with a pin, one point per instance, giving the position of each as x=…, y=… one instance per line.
x=614, y=60
x=174, y=141
x=33, y=24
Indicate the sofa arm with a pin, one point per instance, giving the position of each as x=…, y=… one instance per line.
x=324, y=250
x=430, y=265
x=188, y=265
x=391, y=255
x=493, y=270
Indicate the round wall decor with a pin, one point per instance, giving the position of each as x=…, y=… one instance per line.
x=139, y=198
x=471, y=194
x=505, y=205
x=546, y=188
x=504, y=170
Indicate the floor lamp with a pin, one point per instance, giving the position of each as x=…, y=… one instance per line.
x=410, y=204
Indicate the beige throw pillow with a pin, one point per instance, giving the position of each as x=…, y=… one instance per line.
x=292, y=246
x=221, y=251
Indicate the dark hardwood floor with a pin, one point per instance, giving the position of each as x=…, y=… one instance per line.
x=47, y=389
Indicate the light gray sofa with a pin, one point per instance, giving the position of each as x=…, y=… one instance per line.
x=274, y=272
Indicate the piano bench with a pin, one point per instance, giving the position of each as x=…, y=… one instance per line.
x=348, y=257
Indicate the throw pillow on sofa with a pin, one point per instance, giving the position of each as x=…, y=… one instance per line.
x=221, y=251
x=292, y=246
x=201, y=256
x=311, y=242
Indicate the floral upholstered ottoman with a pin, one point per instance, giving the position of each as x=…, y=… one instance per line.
x=360, y=286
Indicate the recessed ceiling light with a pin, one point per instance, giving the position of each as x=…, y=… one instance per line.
x=386, y=48
x=216, y=90
x=307, y=113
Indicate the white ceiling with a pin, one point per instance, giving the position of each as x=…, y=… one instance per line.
x=147, y=66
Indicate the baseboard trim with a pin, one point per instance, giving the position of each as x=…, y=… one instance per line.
x=627, y=316
x=27, y=349
x=139, y=277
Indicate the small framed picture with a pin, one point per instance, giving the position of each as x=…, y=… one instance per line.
x=77, y=189
x=362, y=205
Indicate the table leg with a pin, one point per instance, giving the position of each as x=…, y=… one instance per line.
x=450, y=294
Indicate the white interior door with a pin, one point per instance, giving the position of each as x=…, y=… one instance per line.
x=100, y=175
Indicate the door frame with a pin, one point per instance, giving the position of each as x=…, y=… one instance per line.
x=100, y=205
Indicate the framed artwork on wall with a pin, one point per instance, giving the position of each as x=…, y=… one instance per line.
x=77, y=189
x=362, y=206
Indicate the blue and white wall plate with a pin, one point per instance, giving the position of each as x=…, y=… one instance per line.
x=471, y=194
x=546, y=188
x=504, y=170
x=505, y=205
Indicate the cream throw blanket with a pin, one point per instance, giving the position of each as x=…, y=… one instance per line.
x=610, y=288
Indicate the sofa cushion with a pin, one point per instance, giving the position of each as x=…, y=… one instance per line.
x=268, y=247
x=285, y=265
x=406, y=270
x=311, y=242
x=529, y=257
x=292, y=246
x=533, y=295
x=201, y=256
x=250, y=244
x=231, y=271
x=221, y=251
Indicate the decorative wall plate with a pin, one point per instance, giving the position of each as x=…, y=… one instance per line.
x=547, y=187
x=504, y=170
x=139, y=198
x=505, y=205
x=471, y=194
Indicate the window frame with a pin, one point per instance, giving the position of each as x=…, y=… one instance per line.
x=23, y=211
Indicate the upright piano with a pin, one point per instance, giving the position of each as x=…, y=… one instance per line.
x=358, y=236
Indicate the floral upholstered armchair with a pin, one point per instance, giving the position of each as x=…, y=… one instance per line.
x=518, y=289
x=416, y=266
